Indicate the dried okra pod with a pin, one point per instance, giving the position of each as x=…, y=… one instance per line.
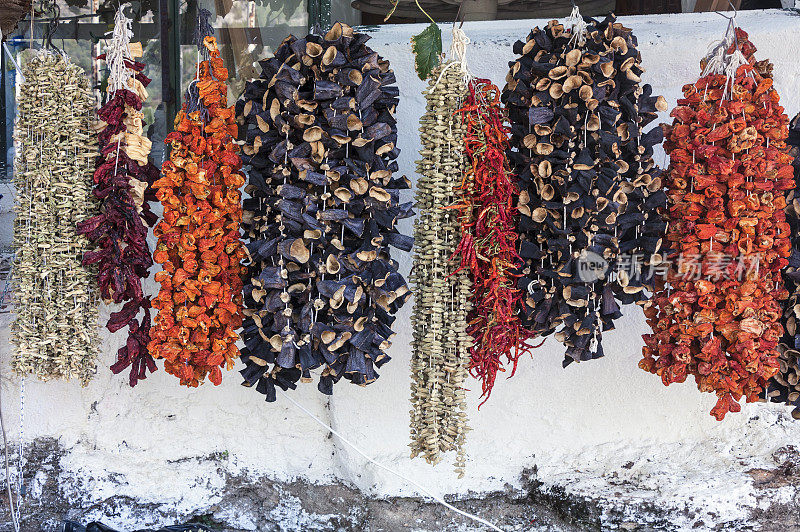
x=54, y=332
x=441, y=343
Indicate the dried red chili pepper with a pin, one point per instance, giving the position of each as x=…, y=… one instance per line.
x=122, y=181
x=729, y=166
x=488, y=246
x=200, y=301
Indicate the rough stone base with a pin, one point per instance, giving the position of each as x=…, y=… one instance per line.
x=267, y=505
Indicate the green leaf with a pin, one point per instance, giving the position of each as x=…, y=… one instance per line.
x=427, y=48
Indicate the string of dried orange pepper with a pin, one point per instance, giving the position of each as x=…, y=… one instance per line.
x=200, y=301
x=488, y=246
x=729, y=170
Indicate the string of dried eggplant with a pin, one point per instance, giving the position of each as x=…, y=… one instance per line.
x=54, y=332
x=122, y=177
x=488, y=242
x=729, y=168
x=784, y=387
x=200, y=301
x=321, y=289
x=591, y=197
x=441, y=344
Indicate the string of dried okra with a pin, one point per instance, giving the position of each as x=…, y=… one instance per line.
x=440, y=340
x=56, y=301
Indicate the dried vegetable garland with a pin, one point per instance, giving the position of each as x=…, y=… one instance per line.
x=729, y=168
x=590, y=193
x=56, y=297
x=122, y=177
x=200, y=301
x=488, y=245
x=321, y=289
x=441, y=344
x=785, y=385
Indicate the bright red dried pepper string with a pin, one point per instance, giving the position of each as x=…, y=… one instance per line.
x=729, y=168
x=488, y=246
x=200, y=301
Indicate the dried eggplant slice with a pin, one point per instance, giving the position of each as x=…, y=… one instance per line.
x=56, y=301
x=722, y=324
x=319, y=138
x=123, y=178
x=588, y=205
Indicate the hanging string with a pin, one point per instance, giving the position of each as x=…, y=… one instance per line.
x=414, y=483
x=458, y=55
x=12, y=504
x=204, y=29
x=722, y=62
x=458, y=51
x=577, y=27
x=118, y=51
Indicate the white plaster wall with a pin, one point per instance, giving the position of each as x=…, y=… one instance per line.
x=577, y=425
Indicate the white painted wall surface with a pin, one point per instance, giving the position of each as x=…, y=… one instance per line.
x=577, y=425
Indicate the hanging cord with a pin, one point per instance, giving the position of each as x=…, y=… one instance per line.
x=458, y=56
x=13, y=507
x=421, y=488
x=577, y=27
x=204, y=29
x=458, y=51
x=721, y=62
x=118, y=51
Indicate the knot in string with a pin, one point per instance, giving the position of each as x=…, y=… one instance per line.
x=458, y=49
x=458, y=55
x=577, y=27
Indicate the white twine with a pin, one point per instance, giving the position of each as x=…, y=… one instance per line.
x=414, y=483
x=577, y=27
x=118, y=51
x=458, y=51
x=719, y=61
x=458, y=56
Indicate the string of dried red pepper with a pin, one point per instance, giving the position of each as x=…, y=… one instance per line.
x=122, y=182
x=785, y=385
x=200, y=301
x=488, y=246
x=718, y=317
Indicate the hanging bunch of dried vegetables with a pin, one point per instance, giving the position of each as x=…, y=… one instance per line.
x=729, y=168
x=200, y=301
x=56, y=300
x=488, y=244
x=591, y=198
x=441, y=344
x=320, y=138
x=784, y=387
x=122, y=177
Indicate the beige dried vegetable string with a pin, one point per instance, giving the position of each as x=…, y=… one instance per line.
x=56, y=303
x=440, y=340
